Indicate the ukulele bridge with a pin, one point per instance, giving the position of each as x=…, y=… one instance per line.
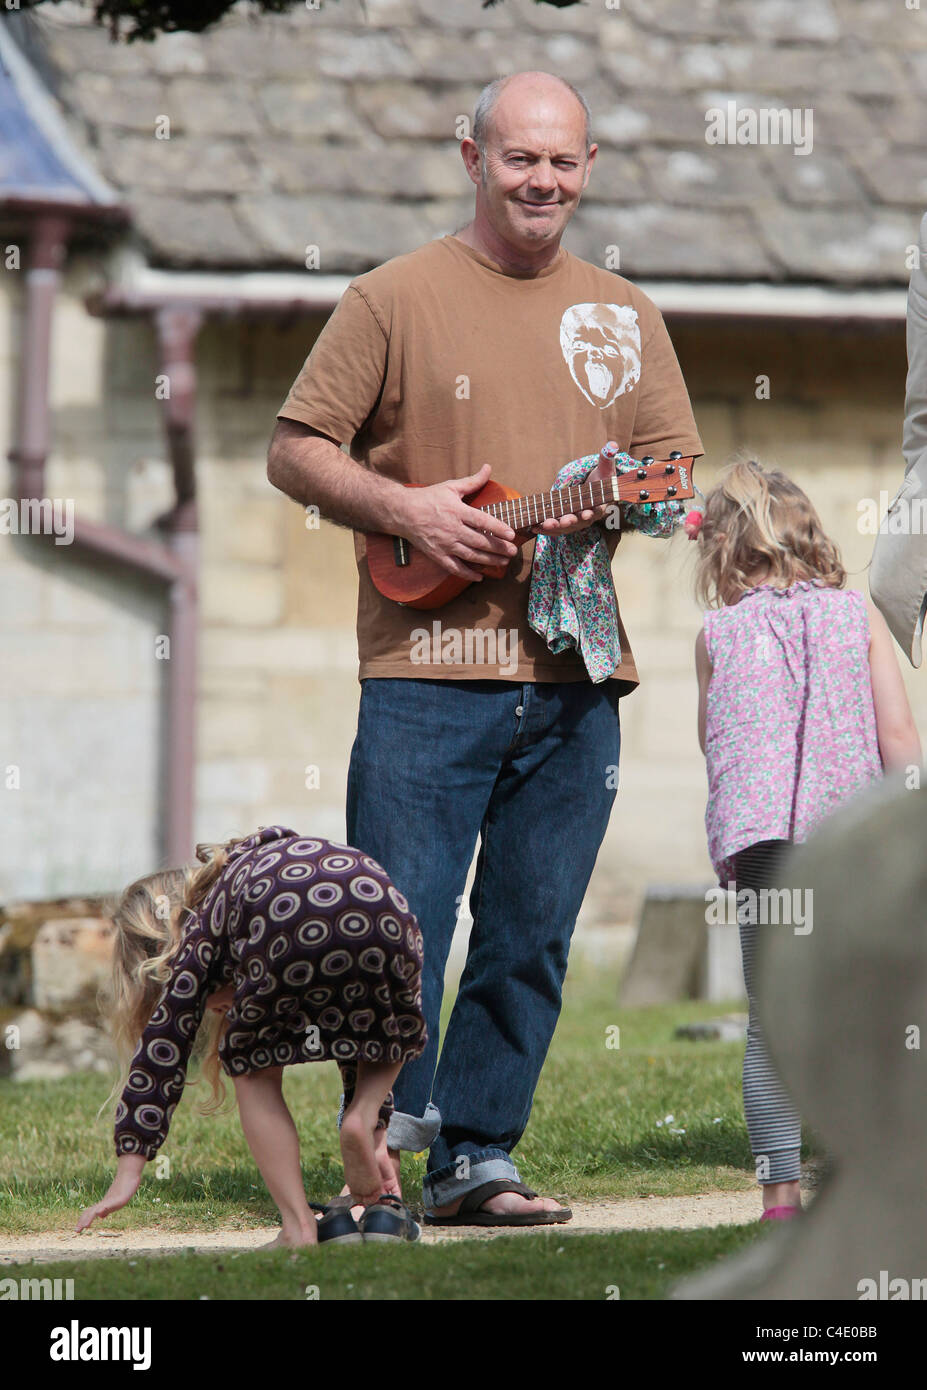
x=400, y=551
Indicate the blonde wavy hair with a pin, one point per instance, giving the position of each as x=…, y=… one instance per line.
x=150, y=919
x=757, y=520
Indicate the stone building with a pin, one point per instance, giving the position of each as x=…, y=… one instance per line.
x=193, y=209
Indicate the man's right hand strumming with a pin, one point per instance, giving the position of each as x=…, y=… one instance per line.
x=440, y=524
x=312, y=469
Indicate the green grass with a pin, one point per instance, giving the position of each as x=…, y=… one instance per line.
x=593, y=1132
x=552, y=1265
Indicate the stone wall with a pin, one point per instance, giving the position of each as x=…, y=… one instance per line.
x=79, y=688
x=54, y=958
x=81, y=693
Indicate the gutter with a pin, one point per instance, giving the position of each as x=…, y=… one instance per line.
x=763, y=300
x=140, y=289
x=137, y=287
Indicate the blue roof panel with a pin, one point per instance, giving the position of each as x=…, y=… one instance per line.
x=30, y=166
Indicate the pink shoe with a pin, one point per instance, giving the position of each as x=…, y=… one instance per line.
x=780, y=1213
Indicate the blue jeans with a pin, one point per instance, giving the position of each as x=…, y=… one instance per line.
x=531, y=770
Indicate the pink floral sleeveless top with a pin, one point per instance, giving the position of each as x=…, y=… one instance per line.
x=790, y=725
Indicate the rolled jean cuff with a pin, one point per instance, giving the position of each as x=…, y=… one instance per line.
x=414, y=1133
x=440, y=1190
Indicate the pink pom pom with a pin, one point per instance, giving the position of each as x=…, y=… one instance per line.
x=693, y=525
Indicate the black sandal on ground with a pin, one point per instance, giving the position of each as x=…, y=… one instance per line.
x=469, y=1214
x=388, y=1219
x=336, y=1224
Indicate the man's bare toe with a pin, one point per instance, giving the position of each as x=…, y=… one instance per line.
x=505, y=1204
x=513, y=1203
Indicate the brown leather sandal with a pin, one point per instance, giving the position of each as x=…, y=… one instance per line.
x=469, y=1213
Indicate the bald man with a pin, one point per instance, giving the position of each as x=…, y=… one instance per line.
x=492, y=350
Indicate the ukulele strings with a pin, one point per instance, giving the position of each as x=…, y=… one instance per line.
x=517, y=511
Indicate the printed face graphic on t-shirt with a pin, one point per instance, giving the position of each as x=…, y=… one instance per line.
x=601, y=345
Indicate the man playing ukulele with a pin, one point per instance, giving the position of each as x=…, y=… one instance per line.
x=491, y=350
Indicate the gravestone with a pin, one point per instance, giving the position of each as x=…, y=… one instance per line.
x=678, y=954
x=70, y=961
x=54, y=956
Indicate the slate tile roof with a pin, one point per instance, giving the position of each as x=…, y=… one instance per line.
x=321, y=128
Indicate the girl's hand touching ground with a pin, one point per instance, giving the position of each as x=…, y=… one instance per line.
x=122, y=1189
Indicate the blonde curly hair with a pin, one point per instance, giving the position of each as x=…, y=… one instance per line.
x=757, y=520
x=150, y=919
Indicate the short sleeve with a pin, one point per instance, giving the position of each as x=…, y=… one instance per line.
x=664, y=420
x=159, y=1066
x=342, y=378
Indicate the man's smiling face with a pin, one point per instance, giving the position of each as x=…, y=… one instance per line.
x=535, y=166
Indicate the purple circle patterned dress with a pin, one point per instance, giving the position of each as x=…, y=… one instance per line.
x=326, y=959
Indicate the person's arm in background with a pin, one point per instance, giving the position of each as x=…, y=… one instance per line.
x=898, y=569
x=914, y=438
x=703, y=674
x=899, y=742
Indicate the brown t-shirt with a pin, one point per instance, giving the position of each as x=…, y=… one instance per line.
x=439, y=361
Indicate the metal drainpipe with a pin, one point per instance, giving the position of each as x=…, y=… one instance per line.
x=177, y=329
x=174, y=562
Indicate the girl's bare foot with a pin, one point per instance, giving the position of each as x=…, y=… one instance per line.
x=293, y=1240
x=361, y=1169
x=388, y=1162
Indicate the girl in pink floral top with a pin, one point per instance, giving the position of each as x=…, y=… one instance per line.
x=801, y=705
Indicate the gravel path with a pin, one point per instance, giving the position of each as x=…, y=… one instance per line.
x=637, y=1214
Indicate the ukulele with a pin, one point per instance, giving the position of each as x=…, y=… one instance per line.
x=404, y=574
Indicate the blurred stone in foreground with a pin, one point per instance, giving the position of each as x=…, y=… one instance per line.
x=845, y=1007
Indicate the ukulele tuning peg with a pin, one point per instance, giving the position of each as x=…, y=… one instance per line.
x=642, y=472
x=648, y=458
x=669, y=468
x=671, y=492
x=675, y=454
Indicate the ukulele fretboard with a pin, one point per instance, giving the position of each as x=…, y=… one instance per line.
x=522, y=512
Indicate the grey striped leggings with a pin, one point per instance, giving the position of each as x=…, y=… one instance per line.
x=773, y=1123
